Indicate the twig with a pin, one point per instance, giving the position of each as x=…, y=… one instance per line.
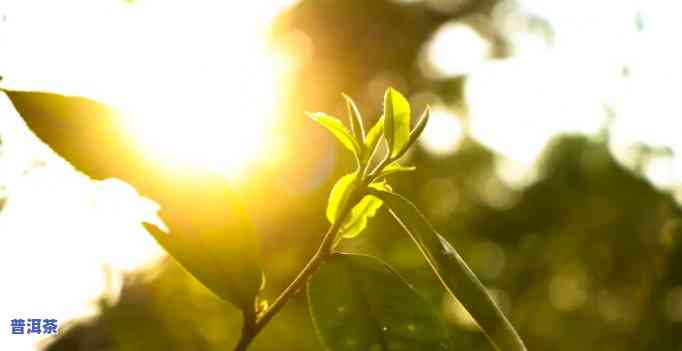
x=249, y=332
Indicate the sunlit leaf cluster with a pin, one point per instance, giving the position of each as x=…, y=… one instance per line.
x=209, y=234
x=393, y=127
x=378, y=309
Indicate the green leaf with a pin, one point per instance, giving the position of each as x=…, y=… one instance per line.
x=394, y=168
x=338, y=130
x=358, y=302
x=355, y=119
x=219, y=247
x=417, y=131
x=209, y=233
x=397, y=125
x=339, y=195
x=359, y=215
x=454, y=273
x=421, y=124
x=373, y=137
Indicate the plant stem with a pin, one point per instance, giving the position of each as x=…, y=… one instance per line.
x=369, y=178
x=253, y=326
x=247, y=331
x=251, y=330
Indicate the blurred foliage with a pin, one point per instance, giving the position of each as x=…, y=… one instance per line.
x=586, y=258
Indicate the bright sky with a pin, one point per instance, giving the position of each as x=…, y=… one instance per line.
x=568, y=82
x=194, y=65
x=198, y=66
x=145, y=57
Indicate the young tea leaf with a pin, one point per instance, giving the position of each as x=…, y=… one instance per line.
x=360, y=214
x=397, y=124
x=416, y=132
x=373, y=137
x=355, y=119
x=358, y=302
x=454, y=273
x=419, y=128
x=338, y=130
x=339, y=196
x=394, y=168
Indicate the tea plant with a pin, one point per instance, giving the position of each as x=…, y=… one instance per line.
x=372, y=308
x=378, y=309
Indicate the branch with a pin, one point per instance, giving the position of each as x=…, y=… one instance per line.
x=249, y=332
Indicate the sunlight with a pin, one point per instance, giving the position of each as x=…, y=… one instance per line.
x=196, y=81
x=197, y=86
x=224, y=129
x=217, y=110
x=443, y=132
x=87, y=237
x=454, y=50
x=526, y=116
x=517, y=104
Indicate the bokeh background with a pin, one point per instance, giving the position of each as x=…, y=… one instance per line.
x=553, y=160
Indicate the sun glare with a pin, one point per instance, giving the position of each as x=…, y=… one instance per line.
x=212, y=104
x=197, y=88
x=225, y=127
x=196, y=81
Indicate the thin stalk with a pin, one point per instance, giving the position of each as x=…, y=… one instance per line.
x=370, y=157
x=323, y=252
x=376, y=171
x=251, y=330
x=372, y=175
x=247, y=331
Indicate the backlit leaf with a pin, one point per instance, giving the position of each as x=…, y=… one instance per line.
x=339, y=196
x=211, y=236
x=337, y=129
x=394, y=168
x=355, y=119
x=373, y=137
x=209, y=233
x=358, y=302
x=421, y=124
x=397, y=124
x=416, y=132
x=200, y=261
x=360, y=214
x=454, y=273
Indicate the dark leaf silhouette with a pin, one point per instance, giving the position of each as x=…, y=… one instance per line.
x=453, y=272
x=359, y=303
x=210, y=234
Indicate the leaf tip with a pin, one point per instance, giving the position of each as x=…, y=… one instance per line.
x=315, y=116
